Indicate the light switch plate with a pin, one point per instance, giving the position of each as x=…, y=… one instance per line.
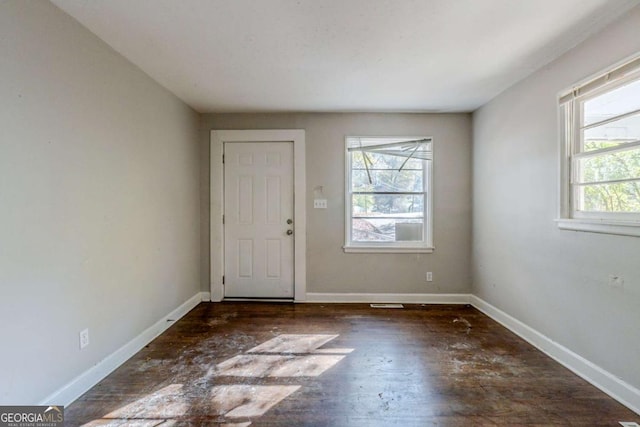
x=320, y=204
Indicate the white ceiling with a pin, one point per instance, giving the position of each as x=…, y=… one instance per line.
x=341, y=55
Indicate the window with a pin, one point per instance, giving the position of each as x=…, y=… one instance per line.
x=388, y=194
x=600, y=138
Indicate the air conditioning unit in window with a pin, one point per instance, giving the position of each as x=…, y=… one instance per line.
x=408, y=231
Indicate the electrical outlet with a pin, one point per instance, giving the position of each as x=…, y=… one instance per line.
x=429, y=276
x=84, y=338
x=320, y=204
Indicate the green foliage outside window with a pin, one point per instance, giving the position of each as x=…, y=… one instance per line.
x=617, y=165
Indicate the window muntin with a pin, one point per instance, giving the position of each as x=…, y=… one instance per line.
x=388, y=193
x=612, y=133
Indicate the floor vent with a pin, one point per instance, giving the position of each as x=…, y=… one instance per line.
x=629, y=424
x=387, y=306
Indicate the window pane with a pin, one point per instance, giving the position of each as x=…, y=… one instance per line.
x=403, y=143
x=386, y=230
x=390, y=171
x=383, y=161
x=610, y=166
x=380, y=205
x=612, y=134
x=387, y=180
x=619, y=101
x=618, y=197
x=357, y=160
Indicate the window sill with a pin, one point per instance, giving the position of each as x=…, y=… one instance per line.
x=388, y=250
x=621, y=228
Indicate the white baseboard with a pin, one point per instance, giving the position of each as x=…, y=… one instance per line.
x=604, y=380
x=388, y=298
x=82, y=383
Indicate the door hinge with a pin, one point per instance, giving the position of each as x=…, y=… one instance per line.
x=223, y=280
x=223, y=159
x=223, y=219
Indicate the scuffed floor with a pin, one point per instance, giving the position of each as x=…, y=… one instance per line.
x=253, y=364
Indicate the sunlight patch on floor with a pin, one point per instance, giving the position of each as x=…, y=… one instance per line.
x=333, y=351
x=151, y=410
x=293, y=343
x=262, y=366
x=287, y=355
x=245, y=401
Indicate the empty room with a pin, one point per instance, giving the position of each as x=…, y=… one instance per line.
x=319, y=212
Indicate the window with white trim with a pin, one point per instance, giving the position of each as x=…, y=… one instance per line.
x=600, y=123
x=389, y=194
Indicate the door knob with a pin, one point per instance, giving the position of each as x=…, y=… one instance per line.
x=289, y=221
x=289, y=232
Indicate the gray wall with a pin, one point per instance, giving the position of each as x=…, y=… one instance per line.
x=99, y=200
x=555, y=281
x=329, y=269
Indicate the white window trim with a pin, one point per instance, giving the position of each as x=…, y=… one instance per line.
x=620, y=228
x=604, y=81
x=397, y=247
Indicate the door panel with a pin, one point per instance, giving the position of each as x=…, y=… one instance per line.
x=258, y=200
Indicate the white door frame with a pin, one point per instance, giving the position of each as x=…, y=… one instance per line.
x=218, y=138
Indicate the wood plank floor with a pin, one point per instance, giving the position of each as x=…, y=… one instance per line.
x=241, y=364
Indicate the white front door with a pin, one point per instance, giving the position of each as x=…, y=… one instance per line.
x=258, y=220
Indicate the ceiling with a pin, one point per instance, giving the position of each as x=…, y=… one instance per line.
x=341, y=55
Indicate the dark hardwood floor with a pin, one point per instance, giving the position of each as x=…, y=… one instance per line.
x=241, y=364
